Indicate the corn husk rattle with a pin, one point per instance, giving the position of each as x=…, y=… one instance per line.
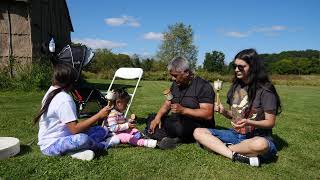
x=111, y=96
x=217, y=85
x=132, y=118
x=167, y=93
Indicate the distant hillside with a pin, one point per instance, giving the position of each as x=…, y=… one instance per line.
x=308, y=54
x=293, y=62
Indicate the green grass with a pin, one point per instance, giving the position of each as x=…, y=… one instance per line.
x=297, y=131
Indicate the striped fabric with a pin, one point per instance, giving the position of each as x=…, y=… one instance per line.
x=116, y=121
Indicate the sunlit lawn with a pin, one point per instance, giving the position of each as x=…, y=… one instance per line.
x=297, y=132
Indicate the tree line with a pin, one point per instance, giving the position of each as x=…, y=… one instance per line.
x=178, y=40
x=288, y=62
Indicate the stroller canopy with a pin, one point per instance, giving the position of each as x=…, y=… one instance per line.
x=77, y=56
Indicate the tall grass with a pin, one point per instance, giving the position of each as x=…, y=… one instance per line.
x=293, y=80
x=34, y=77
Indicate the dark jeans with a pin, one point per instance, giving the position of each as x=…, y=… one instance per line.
x=181, y=128
x=174, y=126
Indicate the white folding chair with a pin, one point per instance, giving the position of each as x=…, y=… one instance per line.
x=129, y=74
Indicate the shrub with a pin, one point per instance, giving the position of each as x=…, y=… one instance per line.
x=39, y=78
x=210, y=76
x=34, y=77
x=5, y=81
x=156, y=76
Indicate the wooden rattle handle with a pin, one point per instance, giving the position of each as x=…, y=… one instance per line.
x=218, y=98
x=133, y=116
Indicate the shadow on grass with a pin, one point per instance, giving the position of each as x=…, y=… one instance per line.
x=100, y=154
x=24, y=149
x=141, y=121
x=280, y=143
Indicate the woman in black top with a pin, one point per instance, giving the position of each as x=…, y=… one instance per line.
x=254, y=104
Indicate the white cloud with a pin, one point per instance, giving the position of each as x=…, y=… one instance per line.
x=100, y=43
x=123, y=20
x=125, y=52
x=266, y=30
x=153, y=36
x=236, y=34
x=279, y=28
x=146, y=53
x=269, y=29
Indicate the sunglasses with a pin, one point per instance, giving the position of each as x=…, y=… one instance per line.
x=240, y=67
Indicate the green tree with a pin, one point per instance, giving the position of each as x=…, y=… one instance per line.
x=123, y=60
x=101, y=61
x=178, y=41
x=214, y=62
x=136, y=60
x=104, y=59
x=284, y=66
x=147, y=64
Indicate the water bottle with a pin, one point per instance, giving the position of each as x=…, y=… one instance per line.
x=52, y=46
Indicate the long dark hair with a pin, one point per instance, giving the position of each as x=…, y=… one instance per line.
x=64, y=76
x=257, y=78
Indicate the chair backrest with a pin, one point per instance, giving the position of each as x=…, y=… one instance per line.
x=128, y=73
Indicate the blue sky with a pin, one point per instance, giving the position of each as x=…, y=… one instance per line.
x=128, y=26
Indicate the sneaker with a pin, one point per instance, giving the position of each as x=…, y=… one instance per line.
x=85, y=155
x=150, y=143
x=111, y=141
x=252, y=161
x=168, y=143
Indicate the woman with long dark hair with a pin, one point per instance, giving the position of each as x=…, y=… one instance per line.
x=254, y=104
x=59, y=130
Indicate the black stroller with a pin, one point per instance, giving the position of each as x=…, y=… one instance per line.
x=89, y=100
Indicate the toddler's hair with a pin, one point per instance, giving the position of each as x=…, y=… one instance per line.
x=122, y=94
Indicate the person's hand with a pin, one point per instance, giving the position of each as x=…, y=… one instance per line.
x=240, y=124
x=104, y=112
x=177, y=108
x=235, y=127
x=132, y=121
x=131, y=125
x=154, y=124
x=218, y=108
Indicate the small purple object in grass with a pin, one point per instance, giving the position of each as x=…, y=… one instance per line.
x=137, y=135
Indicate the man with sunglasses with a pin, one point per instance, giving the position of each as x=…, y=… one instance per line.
x=191, y=106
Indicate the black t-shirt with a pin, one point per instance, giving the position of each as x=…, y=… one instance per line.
x=199, y=91
x=265, y=100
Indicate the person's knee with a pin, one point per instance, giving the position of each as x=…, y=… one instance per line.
x=198, y=133
x=259, y=145
x=84, y=139
x=111, y=141
x=101, y=131
x=115, y=140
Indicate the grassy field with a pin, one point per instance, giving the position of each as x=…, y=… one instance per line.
x=297, y=133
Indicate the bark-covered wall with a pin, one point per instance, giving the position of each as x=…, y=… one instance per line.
x=25, y=26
